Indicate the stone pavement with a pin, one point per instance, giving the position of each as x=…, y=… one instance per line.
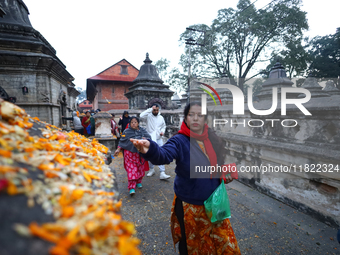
x=262, y=225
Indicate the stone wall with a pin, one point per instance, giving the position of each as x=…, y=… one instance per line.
x=43, y=98
x=311, y=145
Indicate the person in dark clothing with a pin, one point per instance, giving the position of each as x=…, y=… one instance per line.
x=195, y=145
x=93, y=124
x=124, y=120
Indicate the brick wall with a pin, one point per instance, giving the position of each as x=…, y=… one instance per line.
x=111, y=96
x=116, y=70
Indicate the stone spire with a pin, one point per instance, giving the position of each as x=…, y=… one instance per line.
x=148, y=72
x=314, y=87
x=277, y=78
x=17, y=32
x=331, y=89
x=15, y=12
x=148, y=88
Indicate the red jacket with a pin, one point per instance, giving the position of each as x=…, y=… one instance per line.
x=85, y=125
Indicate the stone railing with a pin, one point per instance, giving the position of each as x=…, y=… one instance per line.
x=306, y=156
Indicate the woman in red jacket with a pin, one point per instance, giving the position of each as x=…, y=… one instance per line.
x=86, y=122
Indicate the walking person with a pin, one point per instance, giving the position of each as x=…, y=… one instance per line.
x=134, y=165
x=155, y=125
x=124, y=120
x=93, y=123
x=114, y=126
x=190, y=225
x=86, y=122
x=78, y=127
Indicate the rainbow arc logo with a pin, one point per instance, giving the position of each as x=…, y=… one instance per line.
x=209, y=93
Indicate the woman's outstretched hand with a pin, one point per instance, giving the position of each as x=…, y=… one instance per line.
x=141, y=145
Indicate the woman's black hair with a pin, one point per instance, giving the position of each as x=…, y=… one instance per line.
x=134, y=117
x=215, y=140
x=188, y=106
x=125, y=112
x=112, y=114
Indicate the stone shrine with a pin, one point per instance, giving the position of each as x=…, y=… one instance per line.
x=148, y=89
x=103, y=130
x=31, y=75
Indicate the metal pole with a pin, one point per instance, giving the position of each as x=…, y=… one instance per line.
x=189, y=74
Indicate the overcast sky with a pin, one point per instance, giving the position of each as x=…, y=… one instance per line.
x=90, y=36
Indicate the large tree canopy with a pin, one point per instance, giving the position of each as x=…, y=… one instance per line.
x=325, y=53
x=294, y=58
x=242, y=36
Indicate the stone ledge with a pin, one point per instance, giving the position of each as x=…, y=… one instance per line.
x=308, y=150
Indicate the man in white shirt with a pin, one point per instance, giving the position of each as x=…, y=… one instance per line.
x=155, y=125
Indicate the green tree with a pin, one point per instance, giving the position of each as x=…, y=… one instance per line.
x=242, y=37
x=257, y=86
x=325, y=53
x=162, y=66
x=294, y=58
x=177, y=80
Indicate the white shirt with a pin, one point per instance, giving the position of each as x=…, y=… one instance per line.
x=154, y=124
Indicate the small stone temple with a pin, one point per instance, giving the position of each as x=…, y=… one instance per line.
x=31, y=75
x=148, y=89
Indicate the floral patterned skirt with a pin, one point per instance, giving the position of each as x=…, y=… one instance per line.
x=134, y=165
x=202, y=236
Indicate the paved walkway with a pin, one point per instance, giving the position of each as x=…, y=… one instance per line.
x=262, y=225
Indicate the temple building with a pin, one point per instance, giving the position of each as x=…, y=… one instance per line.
x=149, y=89
x=31, y=75
x=107, y=89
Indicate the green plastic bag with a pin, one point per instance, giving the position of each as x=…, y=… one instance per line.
x=217, y=205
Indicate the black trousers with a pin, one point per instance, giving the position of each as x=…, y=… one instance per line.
x=183, y=250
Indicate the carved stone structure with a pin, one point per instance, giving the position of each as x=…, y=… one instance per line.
x=148, y=88
x=103, y=130
x=278, y=79
x=331, y=89
x=314, y=87
x=30, y=69
x=176, y=99
x=302, y=148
